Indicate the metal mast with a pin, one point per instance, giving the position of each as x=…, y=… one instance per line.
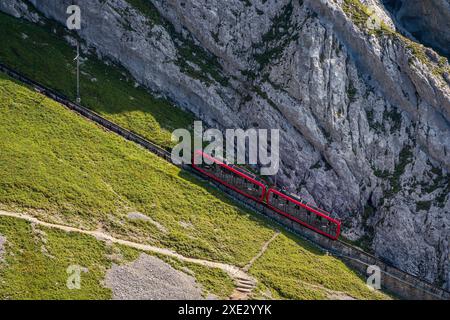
x=78, y=72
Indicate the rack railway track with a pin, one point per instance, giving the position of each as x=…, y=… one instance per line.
x=394, y=280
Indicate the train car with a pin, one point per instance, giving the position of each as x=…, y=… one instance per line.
x=299, y=211
x=239, y=180
x=249, y=185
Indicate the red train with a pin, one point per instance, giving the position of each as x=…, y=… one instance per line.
x=250, y=186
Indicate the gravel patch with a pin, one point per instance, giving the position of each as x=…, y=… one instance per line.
x=149, y=278
x=2, y=246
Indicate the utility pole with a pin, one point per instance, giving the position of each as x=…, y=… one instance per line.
x=78, y=72
x=73, y=22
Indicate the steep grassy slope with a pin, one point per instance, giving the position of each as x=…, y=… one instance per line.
x=293, y=269
x=75, y=173
x=64, y=169
x=36, y=261
x=46, y=57
x=34, y=264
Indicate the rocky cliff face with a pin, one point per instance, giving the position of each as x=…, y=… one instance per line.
x=428, y=21
x=363, y=109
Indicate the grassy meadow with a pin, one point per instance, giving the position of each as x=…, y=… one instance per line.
x=37, y=258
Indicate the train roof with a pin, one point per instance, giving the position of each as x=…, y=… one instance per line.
x=303, y=201
x=235, y=167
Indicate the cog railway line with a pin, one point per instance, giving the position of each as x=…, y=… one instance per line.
x=394, y=280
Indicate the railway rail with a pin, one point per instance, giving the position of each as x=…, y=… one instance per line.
x=394, y=280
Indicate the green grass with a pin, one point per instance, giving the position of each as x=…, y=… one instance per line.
x=29, y=273
x=405, y=158
x=36, y=259
x=361, y=14
x=293, y=269
x=55, y=161
x=109, y=90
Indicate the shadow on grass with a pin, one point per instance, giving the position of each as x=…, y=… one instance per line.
x=41, y=53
